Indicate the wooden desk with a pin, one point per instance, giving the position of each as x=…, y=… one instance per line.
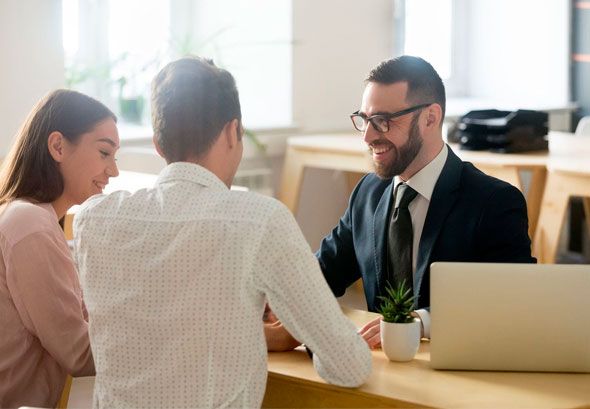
x=293, y=383
x=349, y=153
x=568, y=175
x=566, y=178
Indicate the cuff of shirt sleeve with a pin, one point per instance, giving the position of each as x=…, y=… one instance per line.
x=425, y=318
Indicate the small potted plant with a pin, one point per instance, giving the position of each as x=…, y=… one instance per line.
x=400, y=332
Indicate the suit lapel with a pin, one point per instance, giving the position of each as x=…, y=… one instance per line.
x=380, y=231
x=442, y=201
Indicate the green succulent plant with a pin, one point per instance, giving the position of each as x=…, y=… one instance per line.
x=398, y=303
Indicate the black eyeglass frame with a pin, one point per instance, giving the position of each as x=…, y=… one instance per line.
x=387, y=117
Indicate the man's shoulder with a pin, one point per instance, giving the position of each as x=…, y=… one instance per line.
x=479, y=189
x=103, y=204
x=474, y=181
x=257, y=207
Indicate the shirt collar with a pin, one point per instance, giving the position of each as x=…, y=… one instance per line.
x=424, y=180
x=190, y=172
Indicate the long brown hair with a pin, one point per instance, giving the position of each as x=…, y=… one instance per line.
x=29, y=170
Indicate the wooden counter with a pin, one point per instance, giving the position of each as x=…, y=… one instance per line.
x=292, y=382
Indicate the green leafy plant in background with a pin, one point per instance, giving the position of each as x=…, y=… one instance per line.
x=397, y=305
x=114, y=73
x=129, y=75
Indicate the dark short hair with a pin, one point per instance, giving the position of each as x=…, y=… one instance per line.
x=424, y=83
x=192, y=100
x=29, y=170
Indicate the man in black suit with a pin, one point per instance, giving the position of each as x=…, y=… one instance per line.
x=422, y=204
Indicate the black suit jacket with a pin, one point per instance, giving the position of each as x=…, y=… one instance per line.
x=472, y=217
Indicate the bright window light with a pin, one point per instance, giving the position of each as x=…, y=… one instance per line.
x=70, y=28
x=251, y=39
x=428, y=33
x=138, y=36
x=115, y=47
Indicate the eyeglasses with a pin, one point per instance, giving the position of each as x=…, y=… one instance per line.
x=380, y=121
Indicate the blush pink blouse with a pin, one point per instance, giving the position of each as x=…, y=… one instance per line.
x=43, y=319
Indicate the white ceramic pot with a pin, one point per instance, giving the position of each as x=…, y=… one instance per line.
x=400, y=342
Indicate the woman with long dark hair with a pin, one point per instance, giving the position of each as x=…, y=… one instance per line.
x=63, y=154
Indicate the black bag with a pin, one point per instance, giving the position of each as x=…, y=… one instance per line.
x=502, y=131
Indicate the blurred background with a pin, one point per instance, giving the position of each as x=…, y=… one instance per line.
x=299, y=67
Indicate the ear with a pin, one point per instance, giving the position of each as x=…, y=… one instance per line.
x=56, y=145
x=157, y=146
x=434, y=116
x=230, y=130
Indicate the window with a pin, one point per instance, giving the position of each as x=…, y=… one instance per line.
x=423, y=19
x=488, y=52
x=114, y=48
x=432, y=30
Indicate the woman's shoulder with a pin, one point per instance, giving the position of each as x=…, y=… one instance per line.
x=20, y=218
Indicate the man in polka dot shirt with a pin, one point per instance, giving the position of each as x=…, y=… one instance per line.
x=176, y=277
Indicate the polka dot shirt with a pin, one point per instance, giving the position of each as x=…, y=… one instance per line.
x=175, y=279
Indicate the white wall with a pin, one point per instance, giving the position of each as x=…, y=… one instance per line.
x=31, y=60
x=336, y=43
x=252, y=40
x=519, y=51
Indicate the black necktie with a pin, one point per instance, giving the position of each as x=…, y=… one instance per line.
x=400, y=239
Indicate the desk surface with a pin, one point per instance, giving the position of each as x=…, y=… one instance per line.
x=416, y=384
x=561, y=144
x=293, y=382
x=348, y=152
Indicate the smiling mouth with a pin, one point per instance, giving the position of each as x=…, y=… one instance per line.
x=380, y=147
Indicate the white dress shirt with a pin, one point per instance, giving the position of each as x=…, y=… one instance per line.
x=423, y=182
x=176, y=278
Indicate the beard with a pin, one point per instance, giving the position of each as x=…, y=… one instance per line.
x=403, y=156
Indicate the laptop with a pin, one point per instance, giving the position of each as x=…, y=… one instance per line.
x=510, y=317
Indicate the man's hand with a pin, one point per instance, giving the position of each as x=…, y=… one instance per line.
x=269, y=317
x=371, y=333
x=278, y=338
x=415, y=315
